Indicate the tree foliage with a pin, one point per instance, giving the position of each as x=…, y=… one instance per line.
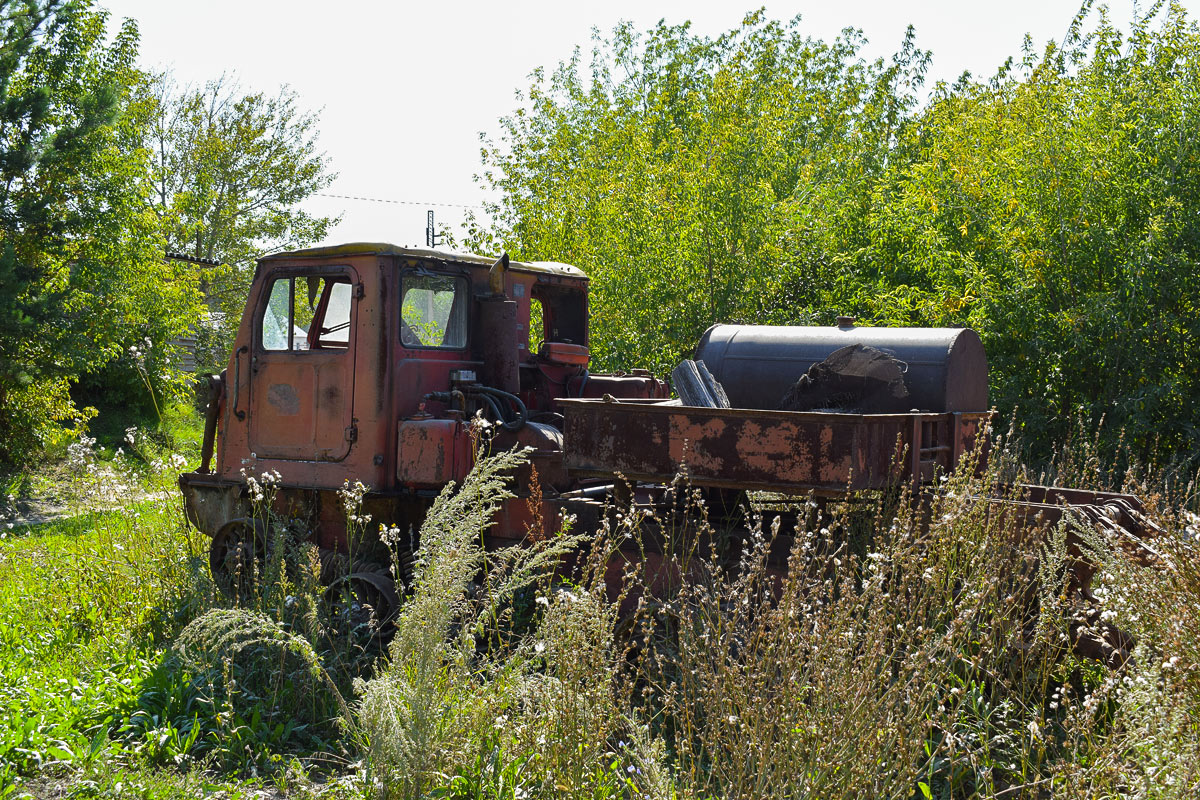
x=685, y=173
x=81, y=268
x=1058, y=212
x=228, y=171
x=102, y=169
x=763, y=176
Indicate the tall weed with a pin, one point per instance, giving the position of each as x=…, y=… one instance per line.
x=465, y=702
x=887, y=646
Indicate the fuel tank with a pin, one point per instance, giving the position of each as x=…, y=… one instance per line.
x=945, y=368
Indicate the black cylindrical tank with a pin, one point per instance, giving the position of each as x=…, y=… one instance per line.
x=757, y=364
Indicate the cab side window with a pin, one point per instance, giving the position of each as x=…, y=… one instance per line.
x=433, y=311
x=335, y=320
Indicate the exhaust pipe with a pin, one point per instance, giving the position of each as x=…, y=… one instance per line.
x=498, y=328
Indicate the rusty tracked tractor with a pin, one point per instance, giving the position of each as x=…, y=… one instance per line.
x=365, y=362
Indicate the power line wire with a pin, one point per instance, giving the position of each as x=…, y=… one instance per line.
x=396, y=202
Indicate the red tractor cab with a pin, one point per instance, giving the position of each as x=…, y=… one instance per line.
x=368, y=362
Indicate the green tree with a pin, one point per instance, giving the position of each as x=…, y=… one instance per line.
x=692, y=177
x=81, y=268
x=1055, y=210
x=229, y=171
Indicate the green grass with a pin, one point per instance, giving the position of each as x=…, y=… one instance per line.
x=94, y=697
x=78, y=629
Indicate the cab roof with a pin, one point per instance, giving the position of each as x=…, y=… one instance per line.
x=385, y=249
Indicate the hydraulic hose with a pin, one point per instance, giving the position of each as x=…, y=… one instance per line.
x=490, y=396
x=491, y=403
x=493, y=394
x=455, y=399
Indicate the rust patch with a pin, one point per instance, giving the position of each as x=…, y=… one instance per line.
x=431, y=452
x=282, y=396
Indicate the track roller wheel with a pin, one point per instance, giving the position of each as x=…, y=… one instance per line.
x=365, y=601
x=238, y=556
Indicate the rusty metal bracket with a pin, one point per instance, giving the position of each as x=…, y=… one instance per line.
x=216, y=387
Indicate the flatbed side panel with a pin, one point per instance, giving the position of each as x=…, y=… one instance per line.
x=782, y=451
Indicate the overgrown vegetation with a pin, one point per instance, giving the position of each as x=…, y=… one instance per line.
x=896, y=658
x=125, y=672
x=906, y=651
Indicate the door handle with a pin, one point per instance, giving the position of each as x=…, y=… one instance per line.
x=237, y=381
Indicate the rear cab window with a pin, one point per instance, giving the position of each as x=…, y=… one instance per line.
x=433, y=310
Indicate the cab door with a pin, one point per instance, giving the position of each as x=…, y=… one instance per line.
x=302, y=374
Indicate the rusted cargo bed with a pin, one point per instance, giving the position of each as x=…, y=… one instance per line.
x=779, y=451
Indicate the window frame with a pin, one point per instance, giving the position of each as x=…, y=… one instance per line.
x=557, y=299
x=462, y=281
x=329, y=274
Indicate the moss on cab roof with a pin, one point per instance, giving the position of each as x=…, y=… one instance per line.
x=385, y=249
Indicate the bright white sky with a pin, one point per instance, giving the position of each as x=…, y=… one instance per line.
x=404, y=89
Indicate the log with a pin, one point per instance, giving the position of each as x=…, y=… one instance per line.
x=715, y=389
x=697, y=387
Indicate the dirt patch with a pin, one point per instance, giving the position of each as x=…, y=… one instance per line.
x=30, y=513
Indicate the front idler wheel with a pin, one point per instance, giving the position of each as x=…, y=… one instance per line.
x=238, y=558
